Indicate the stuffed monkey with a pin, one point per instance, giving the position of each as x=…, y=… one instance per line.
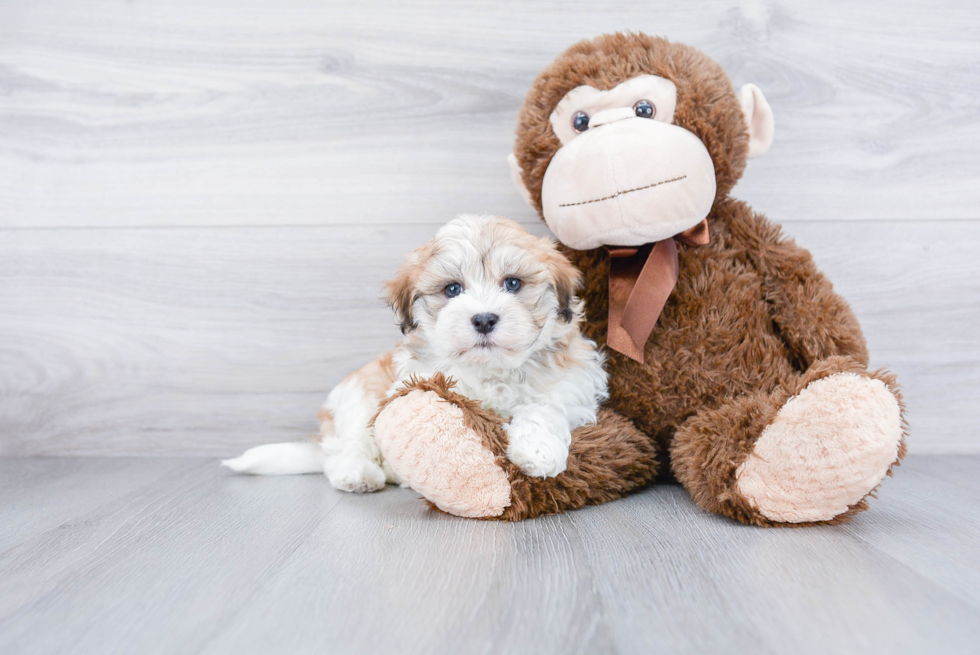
x=732, y=363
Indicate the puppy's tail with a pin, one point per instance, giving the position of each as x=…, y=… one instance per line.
x=279, y=459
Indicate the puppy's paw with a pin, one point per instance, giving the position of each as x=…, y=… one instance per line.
x=354, y=473
x=390, y=476
x=535, y=450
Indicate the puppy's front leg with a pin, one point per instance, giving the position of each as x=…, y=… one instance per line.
x=538, y=438
x=352, y=461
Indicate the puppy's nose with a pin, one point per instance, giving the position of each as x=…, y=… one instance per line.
x=484, y=323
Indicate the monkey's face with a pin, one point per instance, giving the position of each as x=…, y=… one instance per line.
x=641, y=149
x=625, y=175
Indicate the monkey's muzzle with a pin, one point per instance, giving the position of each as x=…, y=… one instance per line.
x=627, y=181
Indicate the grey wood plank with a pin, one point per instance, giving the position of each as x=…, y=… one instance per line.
x=41, y=494
x=424, y=582
x=961, y=472
x=159, y=570
x=917, y=295
x=673, y=579
x=221, y=563
x=928, y=518
x=206, y=341
x=218, y=113
x=233, y=334
x=203, y=561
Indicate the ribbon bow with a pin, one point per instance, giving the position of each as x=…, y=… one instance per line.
x=640, y=281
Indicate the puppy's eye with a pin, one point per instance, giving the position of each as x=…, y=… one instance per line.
x=453, y=289
x=512, y=284
x=580, y=121
x=645, y=109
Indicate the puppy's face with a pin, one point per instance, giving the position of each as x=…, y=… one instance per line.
x=485, y=292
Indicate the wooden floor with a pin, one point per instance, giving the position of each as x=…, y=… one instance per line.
x=146, y=555
x=199, y=201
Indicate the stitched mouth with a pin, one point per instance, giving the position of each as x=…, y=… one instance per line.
x=623, y=193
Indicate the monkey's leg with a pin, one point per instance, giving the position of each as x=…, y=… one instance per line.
x=453, y=453
x=810, y=452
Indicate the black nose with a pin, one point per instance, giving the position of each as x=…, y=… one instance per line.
x=484, y=323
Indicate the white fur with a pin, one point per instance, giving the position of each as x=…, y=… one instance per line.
x=543, y=402
x=539, y=437
x=574, y=392
x=352, y=459
x=534, y=369
x=279, y=459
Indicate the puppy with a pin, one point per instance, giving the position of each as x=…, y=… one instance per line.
x=490, y=306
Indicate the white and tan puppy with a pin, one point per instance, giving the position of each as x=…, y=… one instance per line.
x=490, y=306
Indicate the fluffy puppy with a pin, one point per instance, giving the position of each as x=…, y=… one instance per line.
x=490, y=306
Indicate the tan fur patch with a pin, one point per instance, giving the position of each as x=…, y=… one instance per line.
x=402, y=289
x=325, y=416
x=376, y=377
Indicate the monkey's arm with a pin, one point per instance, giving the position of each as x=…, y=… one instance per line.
x=453, y=452
x=813, y=320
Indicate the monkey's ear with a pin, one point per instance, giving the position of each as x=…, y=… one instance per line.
x=401, y=297
x=758, y=114
x=566, y=279
x=517, y=175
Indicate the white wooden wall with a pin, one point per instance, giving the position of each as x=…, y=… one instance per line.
x=199, y=199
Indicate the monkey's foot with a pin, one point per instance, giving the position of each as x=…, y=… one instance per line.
x=429, y=444
x=828, y=448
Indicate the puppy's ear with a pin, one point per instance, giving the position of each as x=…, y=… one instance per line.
x=403, y=290
x=402, y=293
x=565, y=280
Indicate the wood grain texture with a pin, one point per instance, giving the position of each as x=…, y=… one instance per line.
x=154, y=300
x=255, y=113
x=364, y=125
x=198, y=560
x=916, y=290
x=785, y=591
x=41, y=494
x=207, y=341
x=936, y=533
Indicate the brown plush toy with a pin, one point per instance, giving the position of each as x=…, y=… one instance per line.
x=732, y=363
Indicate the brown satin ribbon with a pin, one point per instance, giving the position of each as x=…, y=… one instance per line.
x=640, y=281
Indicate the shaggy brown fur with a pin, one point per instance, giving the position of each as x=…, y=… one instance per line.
x=605, y=461
x=706, y=103
x=710, y=445
x=750, y=323
x=751, y=320
x=732, y=325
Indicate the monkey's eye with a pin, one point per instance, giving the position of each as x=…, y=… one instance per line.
x=645, y=109
x=453, y=289
x=512, y=284
x=580, y=121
